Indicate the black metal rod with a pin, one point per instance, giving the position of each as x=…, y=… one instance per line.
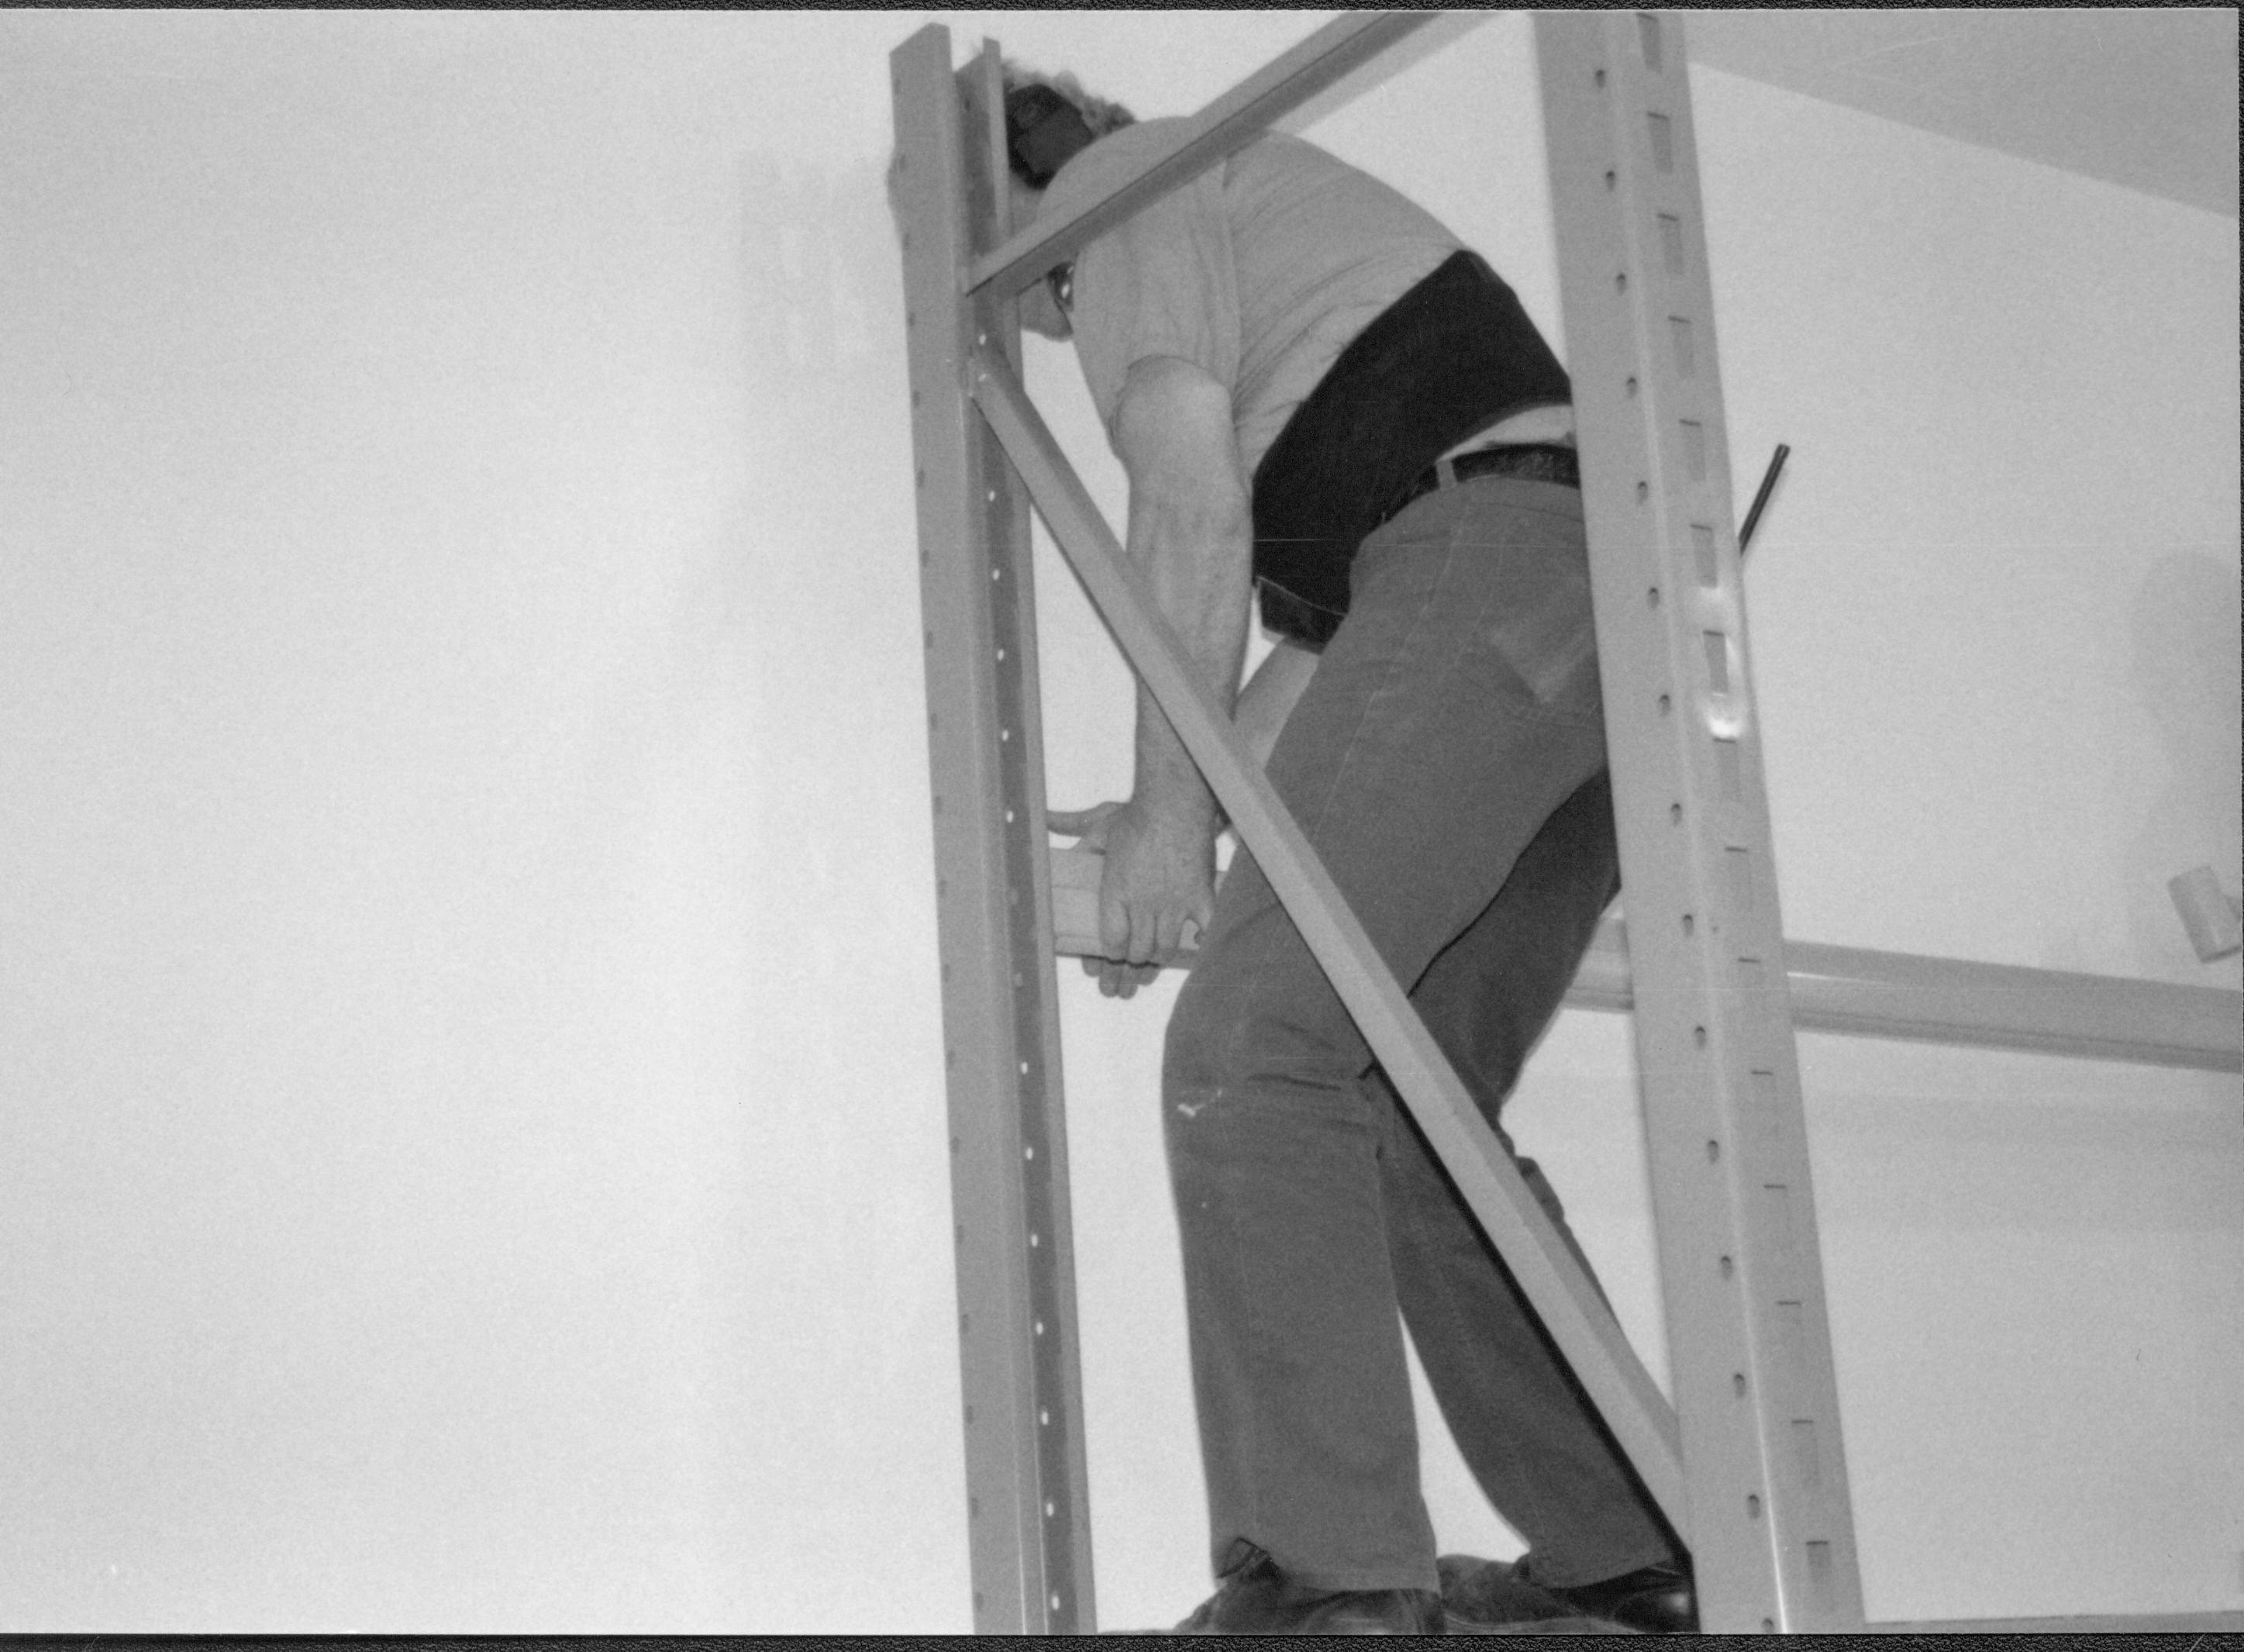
x=1767, y=482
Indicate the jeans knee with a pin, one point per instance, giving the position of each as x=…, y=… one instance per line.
x=1245, y=1081
x=1199, y=1050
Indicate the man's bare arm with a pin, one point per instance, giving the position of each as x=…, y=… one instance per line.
x=1191, y=532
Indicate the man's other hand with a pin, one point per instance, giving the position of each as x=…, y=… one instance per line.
x=1156, y=891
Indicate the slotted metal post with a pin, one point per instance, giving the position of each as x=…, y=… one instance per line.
x=1028, y=1512
x=1769, y=1523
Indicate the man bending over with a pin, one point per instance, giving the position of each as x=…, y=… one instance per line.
x=1319, y=394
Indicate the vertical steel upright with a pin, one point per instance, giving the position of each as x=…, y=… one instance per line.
x=1027, y=1515
x=1770, y=1525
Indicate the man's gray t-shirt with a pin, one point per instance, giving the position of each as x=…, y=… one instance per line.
x=1261, y=271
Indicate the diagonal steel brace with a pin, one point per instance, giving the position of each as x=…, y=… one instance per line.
x=1577, y=1319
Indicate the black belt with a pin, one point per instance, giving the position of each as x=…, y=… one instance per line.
x=1533, y=461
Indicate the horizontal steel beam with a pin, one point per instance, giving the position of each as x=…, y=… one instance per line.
x=1883, y=995
x=1898, y=995
x=1223, y=129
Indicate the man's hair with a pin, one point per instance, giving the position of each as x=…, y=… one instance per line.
x=1049, y=119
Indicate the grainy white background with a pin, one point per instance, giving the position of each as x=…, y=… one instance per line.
x=471, y=1124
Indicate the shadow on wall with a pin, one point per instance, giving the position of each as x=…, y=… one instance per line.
x=850, y=1298
x=2185, y=634
x=829, y=542
x=831, y=529
x=820, y=260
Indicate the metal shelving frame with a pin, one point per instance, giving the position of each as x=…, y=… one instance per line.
x=1748, y=1464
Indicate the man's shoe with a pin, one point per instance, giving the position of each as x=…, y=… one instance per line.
x=1652, y=1600
x=1258, y=1599
x=1491, y=1597
x=1481, y=1595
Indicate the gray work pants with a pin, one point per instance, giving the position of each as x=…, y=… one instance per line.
x=1447, y=762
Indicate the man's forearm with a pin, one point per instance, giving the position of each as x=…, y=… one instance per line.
x=1191, y=533
x=1199, y=572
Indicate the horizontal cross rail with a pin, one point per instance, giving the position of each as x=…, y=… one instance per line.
x=2000, y=1006
x=1883, y=995
x=1223, y=129
x=1578, y=1322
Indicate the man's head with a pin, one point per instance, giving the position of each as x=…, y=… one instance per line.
x=1048, y=120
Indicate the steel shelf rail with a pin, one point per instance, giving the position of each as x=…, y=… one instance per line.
x=1883, y=995
x=1748, y=1463
x=1028, y=1510
x=1771, y=1528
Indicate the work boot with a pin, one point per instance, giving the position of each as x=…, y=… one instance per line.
x=1652, y=1600
x=1258, y=1599
x=1489, y=1597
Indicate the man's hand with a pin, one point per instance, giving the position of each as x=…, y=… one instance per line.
x=1156, y=892
x=1192, y=535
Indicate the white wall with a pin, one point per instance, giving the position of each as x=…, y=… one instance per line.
x=1995, y=619
x=472, y=1151
x=468, y=1054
